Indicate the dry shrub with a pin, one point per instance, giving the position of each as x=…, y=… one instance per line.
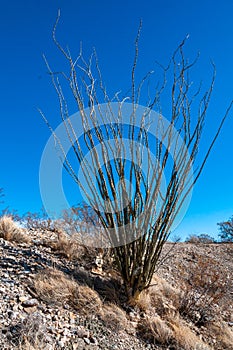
x=204, y=286
x=67, y=246
x=143, y=302
x=163, y=298
x=11, y=232
x=114, y=317
x=39, y=222
x=202, y=238
x=154, y=330
x=86, y=301
x=223, y=335
x=54, y=287
x=30, y=333
x=184, y=338
x=84, y=222
x=172, y=332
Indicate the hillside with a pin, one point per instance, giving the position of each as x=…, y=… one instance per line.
x=55, y=295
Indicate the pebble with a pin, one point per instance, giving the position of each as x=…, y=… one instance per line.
x=82, y=332
x=87, y=341
x=30, y=303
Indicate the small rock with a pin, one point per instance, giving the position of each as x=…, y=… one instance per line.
x=93, y=340
x=22, y=299
x=82, y=333
x=72, y=317
x=60, y=343
x=30, y=309
x=87, y=340
x=79, y=345
x=30, y=303
x=64, y=340
x=66, y=332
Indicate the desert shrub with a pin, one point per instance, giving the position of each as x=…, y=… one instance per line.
x=154, y=330
x=223, y=335
x=10, y=231
x=67, y=246
x=54, y=287
x=172, y=332
x=183, y=337
x=38, y=221
x=28, y=334
x=114, y=317
x=204, y=286
x=10, y=213
x=203, y=238
x=163, y=298
x=82, y=221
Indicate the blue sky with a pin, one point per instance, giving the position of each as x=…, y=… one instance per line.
x=110, y=26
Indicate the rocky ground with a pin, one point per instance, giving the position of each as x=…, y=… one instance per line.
x=51, y=300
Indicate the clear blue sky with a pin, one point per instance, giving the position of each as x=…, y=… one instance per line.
x=110, y=26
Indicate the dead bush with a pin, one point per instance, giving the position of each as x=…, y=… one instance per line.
x=172, y=332
x=204, y=286
x=86, y=301
x=38, y=221
x=163, y=298
x=202, y=238
x=84, y=222
x=223, y=335
x=30, y=333
x=67, y=246
x=154, y=330
x=54, y=287
x=114, y=317
x=184, y=338
x=11, y=232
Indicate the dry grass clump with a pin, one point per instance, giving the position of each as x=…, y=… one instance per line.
x=11, y=232
x=114, y=317
x=28, y=334
x=86, y=301
x=184, y=338
x=155, y=330
x=223, y=335
x=170, y=332
x=143, y=302
x=67, y=246
x=54, y=287
x=161, y=324
x=163, y=298
x=159, y=298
